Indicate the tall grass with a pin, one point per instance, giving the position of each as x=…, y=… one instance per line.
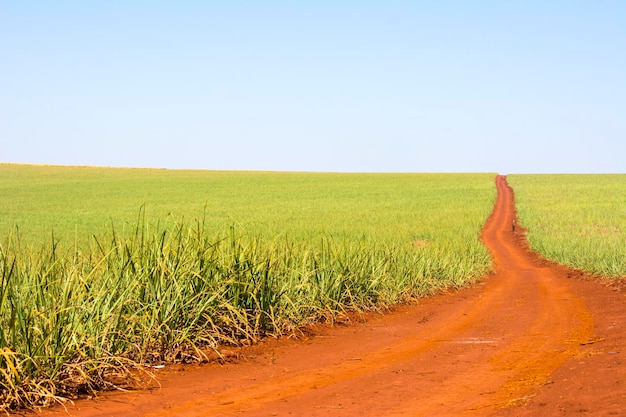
x=70, y=321
x=81, y=315
x=577, y=220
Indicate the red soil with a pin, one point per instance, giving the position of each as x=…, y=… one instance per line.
x=531, y=339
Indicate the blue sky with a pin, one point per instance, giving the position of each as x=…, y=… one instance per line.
x=416, y=86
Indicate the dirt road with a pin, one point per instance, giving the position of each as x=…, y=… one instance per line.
x=529, y=340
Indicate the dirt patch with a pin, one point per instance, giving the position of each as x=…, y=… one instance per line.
x=420, y=243
x=530, y=339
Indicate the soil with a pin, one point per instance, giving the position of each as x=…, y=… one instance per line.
x=532, y=338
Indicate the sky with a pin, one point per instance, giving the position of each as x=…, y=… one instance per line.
x=342, y=86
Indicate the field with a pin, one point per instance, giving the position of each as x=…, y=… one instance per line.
x=576, y=220
x=528, y=340
x=81, y=202
x=105, y=269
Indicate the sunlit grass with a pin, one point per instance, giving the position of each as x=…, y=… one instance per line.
x=106, y=269
x=577, y=220
x=79, y=202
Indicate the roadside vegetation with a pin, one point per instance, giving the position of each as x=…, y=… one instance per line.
x=105, y=272
x=576, y=220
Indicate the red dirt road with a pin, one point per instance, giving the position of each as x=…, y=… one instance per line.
x=528, y=340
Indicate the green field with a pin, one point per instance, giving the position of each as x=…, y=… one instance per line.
x=102, y=270
x=79, y=202
x=577, y=220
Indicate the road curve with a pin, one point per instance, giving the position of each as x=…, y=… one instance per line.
x=482, y=351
